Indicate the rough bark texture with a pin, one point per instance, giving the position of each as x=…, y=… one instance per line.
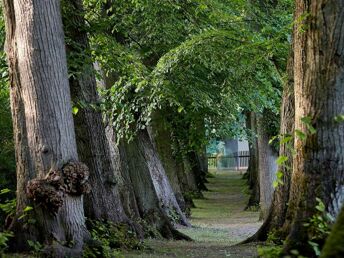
x=334, y=247
x=152, y=189
x=119, y=160
x=252, y=171
x=103, y=202
x=43, y=125
x=145, y=190
x=161, y=138
x=319, y=95
x=267, y=168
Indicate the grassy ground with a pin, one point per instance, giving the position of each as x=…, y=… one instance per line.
x=218, y=222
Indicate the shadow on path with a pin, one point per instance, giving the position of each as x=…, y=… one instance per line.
x=218, y=222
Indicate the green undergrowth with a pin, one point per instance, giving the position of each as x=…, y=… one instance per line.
x=109, y=238
x=270, y=251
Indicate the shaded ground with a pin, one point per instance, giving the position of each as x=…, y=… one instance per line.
x=218, y=222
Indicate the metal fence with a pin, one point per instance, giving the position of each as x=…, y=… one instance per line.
x=237, y=161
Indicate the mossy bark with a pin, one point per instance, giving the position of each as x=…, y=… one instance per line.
x=334, y=246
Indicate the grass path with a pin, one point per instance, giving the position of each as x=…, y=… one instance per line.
x=218, y=222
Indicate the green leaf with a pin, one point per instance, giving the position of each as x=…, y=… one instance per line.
x=272, y=139
x=5, y=191
x=281, y=159
x=180, y=109
x=301, y=135
x=307, y=120
x=275, y=184
x=286, y=139
x=320, y=207
x=75, y=110
x=279, y=174
x=28, y=208
x=339, y=118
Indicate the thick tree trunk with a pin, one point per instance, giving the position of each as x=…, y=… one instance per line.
x=197, y=169
x=103, y=202
x=252, y=171
x=161, y=138
x=267, y=167
x=152, y=189
x=319, y=95
x=145, y=189
x=334, y=247
x=47, y=168
x=119, y=161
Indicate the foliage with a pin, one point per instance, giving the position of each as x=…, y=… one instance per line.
x=7, y=163
x=9, y=204
x=288, y=140
x=270, y=251
x=36, y=247
x=198, y=61
x=8, y=209
x=319, y=227
x=110, y=237
x=4, y=238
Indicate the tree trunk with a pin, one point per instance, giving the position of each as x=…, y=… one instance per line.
x=119, y=161
x=276, y=219
x=161, y=138
x=334, y=247
x=319, y=95
x=152, y=189
x=47, y=168
x=252, y=171
x=267, y=167
x=103, y=202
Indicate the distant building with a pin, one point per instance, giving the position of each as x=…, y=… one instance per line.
x=233, y=147
x=230, y=154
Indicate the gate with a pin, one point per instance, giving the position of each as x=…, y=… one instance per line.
x=237, y=161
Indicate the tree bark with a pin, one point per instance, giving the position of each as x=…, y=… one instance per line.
x=152, y=189
x=46, y=151
x=103, y=202
x=319, y=95
x=161, y=138
x=267, y=167
x=146, y=188
x=252, y=171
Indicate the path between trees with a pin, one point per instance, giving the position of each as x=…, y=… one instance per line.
x=218, y=222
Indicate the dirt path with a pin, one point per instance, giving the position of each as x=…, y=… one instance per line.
x=218, y=222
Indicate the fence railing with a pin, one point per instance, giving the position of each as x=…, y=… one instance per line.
x=237, y=161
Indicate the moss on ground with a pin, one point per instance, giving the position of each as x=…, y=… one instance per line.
x=219, y=221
